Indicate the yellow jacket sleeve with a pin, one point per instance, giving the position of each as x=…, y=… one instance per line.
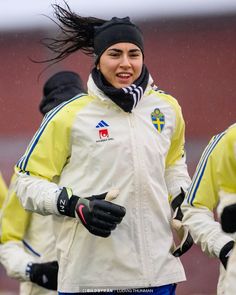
x=3, y=190
x=13, y=229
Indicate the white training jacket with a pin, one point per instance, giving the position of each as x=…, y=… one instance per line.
x=90, y=145
x=25, y=237
x=15, y=255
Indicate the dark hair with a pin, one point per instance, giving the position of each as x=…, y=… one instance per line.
x=77, y=33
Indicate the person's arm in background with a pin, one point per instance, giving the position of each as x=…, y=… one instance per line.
x=3, y=190
x=201, y=201
x=227, y=206
x=227, y=183
x=18, y=263
x=177, y=179
x=12, y=254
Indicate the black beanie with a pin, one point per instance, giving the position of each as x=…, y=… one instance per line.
x=60, y=87
x=114, y=31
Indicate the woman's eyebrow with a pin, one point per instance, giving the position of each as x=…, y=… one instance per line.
x=119, y=50
x=114, y=49
x=135, y=50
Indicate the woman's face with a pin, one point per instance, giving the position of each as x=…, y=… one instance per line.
x=121, y=64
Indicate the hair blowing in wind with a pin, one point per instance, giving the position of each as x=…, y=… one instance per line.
x=76, y=33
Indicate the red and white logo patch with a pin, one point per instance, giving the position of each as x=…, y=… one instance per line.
x=103, y=133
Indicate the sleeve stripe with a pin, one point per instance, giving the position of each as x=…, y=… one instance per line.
x=22, y=163
x=30, y=248
x=201, y=167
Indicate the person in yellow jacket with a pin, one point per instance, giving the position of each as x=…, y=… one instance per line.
x=227, y=206
x=27, y=249
x=108, y=165
x=214, y=188
x=3, y=190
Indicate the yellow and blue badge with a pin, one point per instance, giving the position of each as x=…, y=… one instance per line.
x=158, y=119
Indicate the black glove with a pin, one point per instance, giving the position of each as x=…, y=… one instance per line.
x=100, y=217
x=225, y=253
x=186, y=240
x=43, y=274
x=228, y=219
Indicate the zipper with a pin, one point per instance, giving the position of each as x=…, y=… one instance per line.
x=138, y=192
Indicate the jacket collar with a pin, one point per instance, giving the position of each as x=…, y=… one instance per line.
x=94, y=91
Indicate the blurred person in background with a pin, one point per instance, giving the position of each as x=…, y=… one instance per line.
x=109, y=164
x=27, y=248
x=227, y=206
x=214, y=180
x=3, y=190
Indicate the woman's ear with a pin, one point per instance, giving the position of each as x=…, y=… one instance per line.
x=98, y=67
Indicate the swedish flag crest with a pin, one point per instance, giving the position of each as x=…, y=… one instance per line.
x=158, y=119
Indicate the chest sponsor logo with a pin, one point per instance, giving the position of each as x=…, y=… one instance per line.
x=158, y=119
x=103, y=131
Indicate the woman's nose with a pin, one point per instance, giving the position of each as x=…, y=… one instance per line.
x=125, y=62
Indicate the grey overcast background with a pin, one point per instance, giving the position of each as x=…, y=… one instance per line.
x=27, y=14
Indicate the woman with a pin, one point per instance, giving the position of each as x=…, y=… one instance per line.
x=124, y=138
x=214, y=187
